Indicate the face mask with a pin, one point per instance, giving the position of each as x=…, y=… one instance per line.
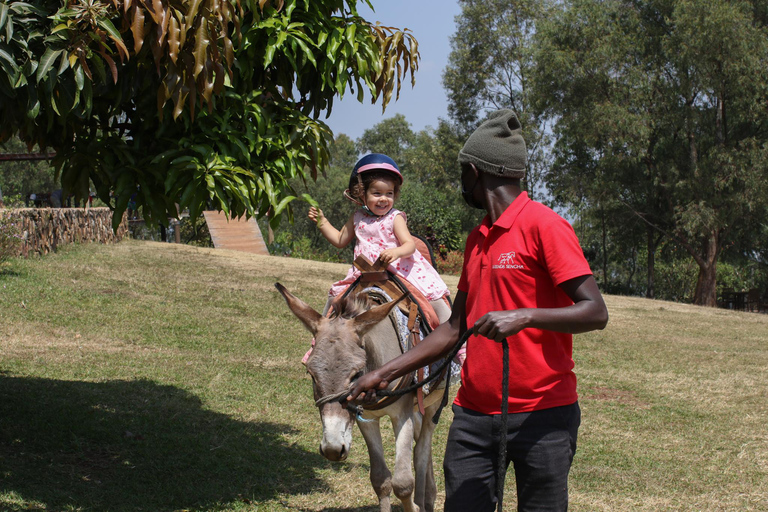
x=468, y=196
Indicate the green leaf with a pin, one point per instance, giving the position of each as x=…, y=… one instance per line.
x=189, y=190
x=109, y=28
x=3, y=14
x=87, y=97
x=27, y=8
x=64, y=64
x=33, y=104
x=98, y=66
x=307, y=51
x=308, y=198
x=282, y=204
x=59, y=28
x=29, y=67
x=269, y=54
x=46, y=63
x=79, y=77
x=6, y=56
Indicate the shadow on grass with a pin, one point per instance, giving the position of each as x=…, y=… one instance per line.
x=138, y=445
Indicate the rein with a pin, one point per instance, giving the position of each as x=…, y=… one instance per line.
x=341, y=396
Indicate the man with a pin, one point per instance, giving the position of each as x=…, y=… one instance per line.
x=525, y=279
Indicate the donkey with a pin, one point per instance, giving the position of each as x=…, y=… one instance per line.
x=351, y=342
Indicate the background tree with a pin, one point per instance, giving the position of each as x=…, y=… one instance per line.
x=20, y=178
x=195, y=103
x=660, y=107
x=434, y=156
x=490, y=67
x=392, y=136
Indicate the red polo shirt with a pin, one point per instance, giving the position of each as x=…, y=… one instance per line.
x=518, y=262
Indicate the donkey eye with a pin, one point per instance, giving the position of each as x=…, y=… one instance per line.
x=357, y=375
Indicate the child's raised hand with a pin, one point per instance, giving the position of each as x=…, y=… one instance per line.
x=316, y=214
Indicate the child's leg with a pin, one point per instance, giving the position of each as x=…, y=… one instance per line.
x=442, y=310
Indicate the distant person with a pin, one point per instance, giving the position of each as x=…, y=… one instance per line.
x=132, y=207
x=56, y=198
x=381, y=232
x=524, y=279
x=1, y=198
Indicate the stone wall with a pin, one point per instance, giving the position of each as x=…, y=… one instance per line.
x=43, y=230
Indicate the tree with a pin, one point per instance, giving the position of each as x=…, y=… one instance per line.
x=194, y=103
x=434, y=156
x=392, y=137
x=23, y=177
x=344, y=154
x=660, y=106
x=490, y=67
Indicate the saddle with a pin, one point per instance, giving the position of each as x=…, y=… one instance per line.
x=421, y=315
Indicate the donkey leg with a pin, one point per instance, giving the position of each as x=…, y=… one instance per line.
x=403, y=482
x=426, y=489
x=381, y=478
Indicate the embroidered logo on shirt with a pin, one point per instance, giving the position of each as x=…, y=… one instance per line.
x=507, y=260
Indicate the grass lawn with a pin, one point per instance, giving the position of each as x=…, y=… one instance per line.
x=161, y=377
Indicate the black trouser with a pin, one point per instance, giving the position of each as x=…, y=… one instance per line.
x=540, y=445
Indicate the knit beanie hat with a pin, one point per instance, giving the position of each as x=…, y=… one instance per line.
x=497, y=146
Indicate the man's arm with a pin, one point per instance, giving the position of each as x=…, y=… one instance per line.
x=436, y=345
x=587, y=313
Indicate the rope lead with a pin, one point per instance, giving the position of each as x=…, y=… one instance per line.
x=502, y=469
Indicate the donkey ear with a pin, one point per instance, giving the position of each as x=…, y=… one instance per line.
x=308, y=316
x=365, y=321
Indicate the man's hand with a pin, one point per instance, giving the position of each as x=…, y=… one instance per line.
x=498, y=325
x=364, y=388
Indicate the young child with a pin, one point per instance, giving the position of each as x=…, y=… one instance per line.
x=381, y=232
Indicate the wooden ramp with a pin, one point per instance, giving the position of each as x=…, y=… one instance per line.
x=235, y=234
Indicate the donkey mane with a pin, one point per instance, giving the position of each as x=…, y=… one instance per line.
x=351, y=306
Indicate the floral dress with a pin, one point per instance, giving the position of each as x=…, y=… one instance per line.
x=374, y=235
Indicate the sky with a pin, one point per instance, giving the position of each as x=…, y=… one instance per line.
x=432, y=23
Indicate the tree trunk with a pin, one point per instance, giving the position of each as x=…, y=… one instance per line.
x=649, y=288
x=706, y=284
x=605, y=249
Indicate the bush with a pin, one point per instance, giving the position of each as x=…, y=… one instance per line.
x=14, y=201
x=10, y=237
x=742, y=276
x=451, y=263
x=676, y=280
x=434, y=215
x=195, y=232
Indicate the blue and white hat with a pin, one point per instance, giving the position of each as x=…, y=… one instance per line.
x=376, y=162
